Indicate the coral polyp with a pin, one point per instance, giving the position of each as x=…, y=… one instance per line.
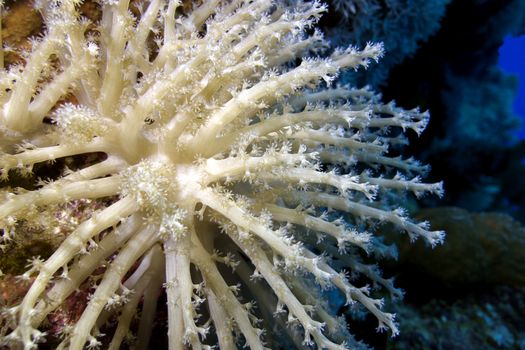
x=234, y=176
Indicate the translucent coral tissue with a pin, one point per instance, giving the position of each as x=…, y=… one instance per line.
x=235, y=178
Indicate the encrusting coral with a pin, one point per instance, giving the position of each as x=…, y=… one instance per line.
x=224, y=144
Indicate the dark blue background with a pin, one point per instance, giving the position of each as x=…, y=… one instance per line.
x=512, y=60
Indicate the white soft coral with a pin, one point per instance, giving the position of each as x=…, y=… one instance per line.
x=205, y=127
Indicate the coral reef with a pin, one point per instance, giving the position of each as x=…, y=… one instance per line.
x=473, y=130
x=443, y=56
x=228, y=172
x=466, y=293
x=491, y=321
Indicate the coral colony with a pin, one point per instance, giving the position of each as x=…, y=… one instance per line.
x=235, y=177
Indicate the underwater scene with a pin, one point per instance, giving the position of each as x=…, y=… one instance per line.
x=262, y=174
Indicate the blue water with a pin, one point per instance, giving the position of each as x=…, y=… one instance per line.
x=512, y=60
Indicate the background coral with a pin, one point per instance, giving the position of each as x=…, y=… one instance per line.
x=401, y=25
x=455, y=75
x=471, y=143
